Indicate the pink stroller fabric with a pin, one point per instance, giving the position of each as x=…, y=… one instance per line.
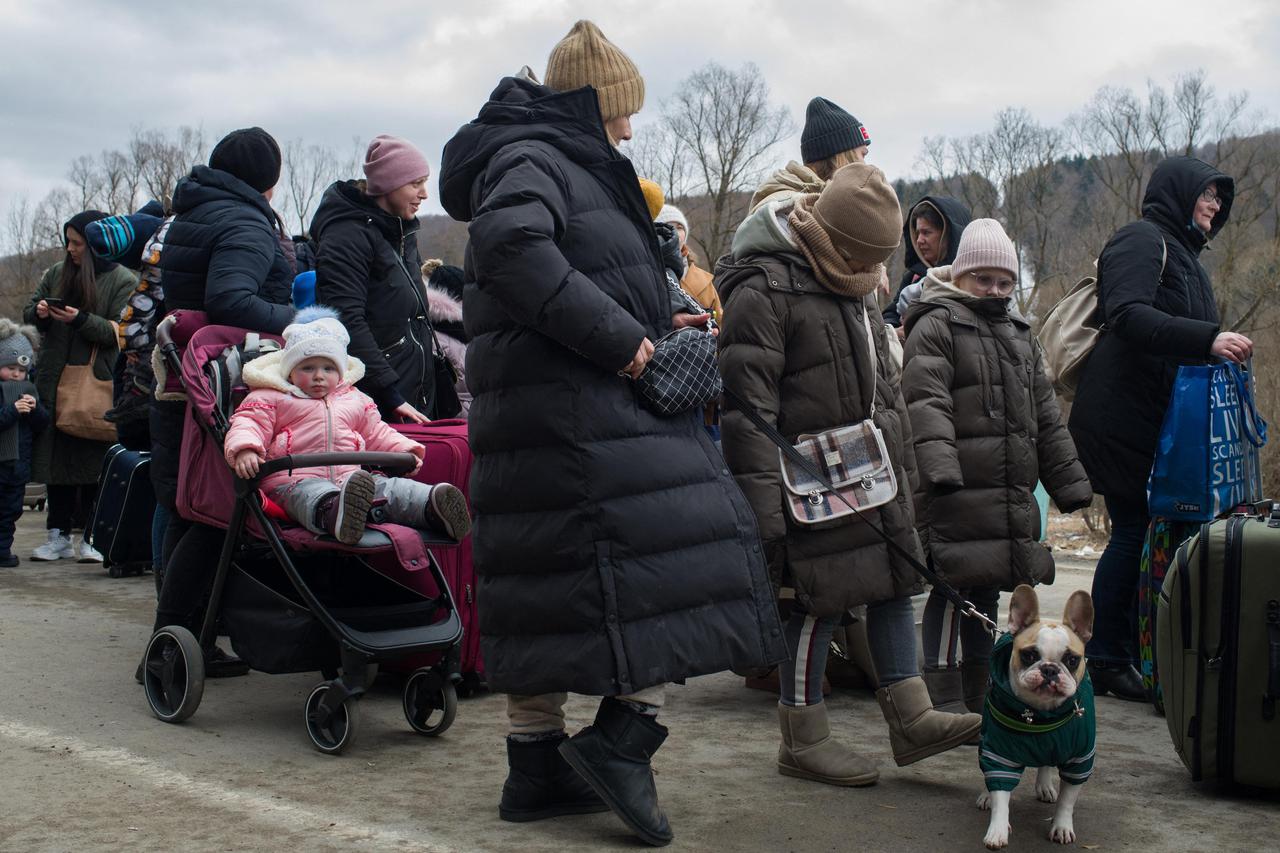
x=206, y=486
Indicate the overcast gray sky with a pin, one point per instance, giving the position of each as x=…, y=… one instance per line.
x=75, y=77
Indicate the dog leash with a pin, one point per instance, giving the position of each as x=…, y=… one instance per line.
x=949, y=592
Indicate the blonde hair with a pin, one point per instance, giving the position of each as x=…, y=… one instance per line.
x=429, y=267
x=826, y=168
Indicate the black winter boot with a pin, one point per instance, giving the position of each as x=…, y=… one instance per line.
x=613, y=755
x=541, y=784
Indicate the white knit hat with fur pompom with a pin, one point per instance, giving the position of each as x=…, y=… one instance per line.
x=315, y=332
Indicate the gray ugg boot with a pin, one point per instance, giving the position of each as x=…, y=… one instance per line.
x=916, y=730
x=976, y=675
x=808, y=752
x=946, y=688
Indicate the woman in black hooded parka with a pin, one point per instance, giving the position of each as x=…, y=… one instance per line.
x=615, y=552
x=1158, y=307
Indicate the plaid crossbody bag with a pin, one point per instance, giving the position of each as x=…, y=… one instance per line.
x=853, y=458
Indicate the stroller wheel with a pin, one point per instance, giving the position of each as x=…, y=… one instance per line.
x=331, y=730
x=113, y=570
x=430, y=702
x=173, y=674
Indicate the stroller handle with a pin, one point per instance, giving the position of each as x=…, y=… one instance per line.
x=392, y=463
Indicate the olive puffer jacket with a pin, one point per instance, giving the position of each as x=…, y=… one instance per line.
x=987, y=427
x=799, y=354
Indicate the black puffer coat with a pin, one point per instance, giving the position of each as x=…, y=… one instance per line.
x=614, y=550
x=987, y=427
x=369, y=270
x=222, y=254
x=955, y=218
x=1153, y=323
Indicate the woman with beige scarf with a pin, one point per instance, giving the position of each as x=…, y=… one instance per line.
x=804, y=344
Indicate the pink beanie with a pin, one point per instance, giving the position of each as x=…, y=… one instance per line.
x=392, y=162
x=984, y=245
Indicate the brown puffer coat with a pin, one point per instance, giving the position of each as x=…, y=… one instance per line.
x=798, y=353
x=987, y=427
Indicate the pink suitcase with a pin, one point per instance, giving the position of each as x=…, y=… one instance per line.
x=448, y=460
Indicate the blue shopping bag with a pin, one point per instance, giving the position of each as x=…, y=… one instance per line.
x=1206, y=458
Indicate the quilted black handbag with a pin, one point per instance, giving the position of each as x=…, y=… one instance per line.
x=682, y=374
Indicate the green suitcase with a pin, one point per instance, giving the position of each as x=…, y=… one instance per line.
x=1218, y=651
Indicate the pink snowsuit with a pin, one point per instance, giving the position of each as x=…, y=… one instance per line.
x=277, y=423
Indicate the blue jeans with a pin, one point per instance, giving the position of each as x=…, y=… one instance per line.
x=1115, y=586
x=891, y=637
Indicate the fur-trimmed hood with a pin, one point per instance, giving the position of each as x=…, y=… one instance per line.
x=267, y=371
x=442, y=307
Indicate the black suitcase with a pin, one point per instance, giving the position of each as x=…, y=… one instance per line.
x=120, y=527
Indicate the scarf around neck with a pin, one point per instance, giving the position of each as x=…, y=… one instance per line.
x=831, y=269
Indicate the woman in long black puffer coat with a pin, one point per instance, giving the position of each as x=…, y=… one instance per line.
x=615, y=552
x=1158, y=308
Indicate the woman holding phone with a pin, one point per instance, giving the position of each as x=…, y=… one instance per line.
x=71, y=307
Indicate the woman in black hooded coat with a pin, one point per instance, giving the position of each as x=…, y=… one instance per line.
x=614, y=549
x=1157, y=305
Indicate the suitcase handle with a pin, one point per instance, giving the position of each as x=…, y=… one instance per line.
x=1273, y=660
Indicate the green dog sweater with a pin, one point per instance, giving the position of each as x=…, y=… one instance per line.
x=1015, y=736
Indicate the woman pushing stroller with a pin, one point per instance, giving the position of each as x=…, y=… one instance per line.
x=303, y=399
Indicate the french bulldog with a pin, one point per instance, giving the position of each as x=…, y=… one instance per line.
x=1039, y=713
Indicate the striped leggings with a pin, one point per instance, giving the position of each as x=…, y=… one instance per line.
x=891, y=639
x=945, y=631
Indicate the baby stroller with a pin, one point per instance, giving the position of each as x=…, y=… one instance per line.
x=291, y=600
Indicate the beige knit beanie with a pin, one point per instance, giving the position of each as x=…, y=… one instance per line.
x=984, y=245
x=586, y=58
x=860, y=213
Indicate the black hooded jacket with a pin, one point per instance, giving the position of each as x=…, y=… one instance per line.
x=369, y=270
x=614, y=550
x=222, y=254
x=955, y=217
x=1152, y=323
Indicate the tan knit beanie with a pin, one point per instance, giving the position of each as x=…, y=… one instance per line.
x=586, y=58
x=984, y=245
x=860, y=213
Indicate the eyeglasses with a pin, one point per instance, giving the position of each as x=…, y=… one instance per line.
x=1211, y=197
x=994, y=284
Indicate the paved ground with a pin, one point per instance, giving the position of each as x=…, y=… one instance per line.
x=84, y=766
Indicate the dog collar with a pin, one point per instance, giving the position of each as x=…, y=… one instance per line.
x=1026, y=722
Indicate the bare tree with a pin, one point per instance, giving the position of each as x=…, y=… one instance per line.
x=120, y=181
x=161, y=161
x=86, y=182
x=308, y=170
x=658, y=154
x=723, y=129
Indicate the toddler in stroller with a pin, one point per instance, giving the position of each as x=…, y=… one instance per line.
x=292, y=597
x=304, y=400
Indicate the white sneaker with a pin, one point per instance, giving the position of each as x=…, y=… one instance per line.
x=87, y=553
x=57, y=548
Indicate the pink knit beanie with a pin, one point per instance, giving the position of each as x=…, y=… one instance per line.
x=392, y=162
x=984, y=245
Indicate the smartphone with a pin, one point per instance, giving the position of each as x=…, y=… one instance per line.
x=55, y=302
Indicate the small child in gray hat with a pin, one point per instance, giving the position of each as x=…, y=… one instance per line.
x=21, y=417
